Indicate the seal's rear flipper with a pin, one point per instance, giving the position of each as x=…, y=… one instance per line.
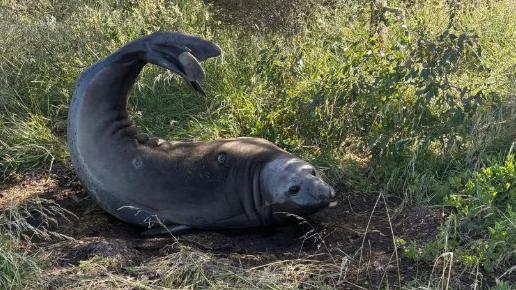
x=171, y=230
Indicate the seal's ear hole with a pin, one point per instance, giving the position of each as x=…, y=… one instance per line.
x=221, y=157
x=294, y=189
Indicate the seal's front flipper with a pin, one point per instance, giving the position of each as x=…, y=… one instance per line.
x=170, y=230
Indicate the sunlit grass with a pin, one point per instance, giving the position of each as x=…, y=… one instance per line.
x=308, y=77
x=17, y=269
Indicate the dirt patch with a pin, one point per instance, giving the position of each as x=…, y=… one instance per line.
x=356, y=234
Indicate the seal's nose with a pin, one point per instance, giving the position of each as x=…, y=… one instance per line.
x=326, y=194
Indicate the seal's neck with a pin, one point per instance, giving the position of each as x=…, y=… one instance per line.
x=260, y=199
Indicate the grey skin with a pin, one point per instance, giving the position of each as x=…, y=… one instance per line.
x=233, y=183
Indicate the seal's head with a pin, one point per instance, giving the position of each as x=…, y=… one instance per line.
x=279, y=184
x=294, y=186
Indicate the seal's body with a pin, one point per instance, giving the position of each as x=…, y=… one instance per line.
x=231, y=183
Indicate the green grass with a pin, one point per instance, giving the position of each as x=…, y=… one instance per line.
x=480, y=228
x=484, y=204
x=435, y=101
x=17, y=269
x=21, y=264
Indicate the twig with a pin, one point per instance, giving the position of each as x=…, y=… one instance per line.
x=365, y=233
x=393, y=240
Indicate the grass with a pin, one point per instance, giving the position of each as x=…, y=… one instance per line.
x=409, y=114
x=17, y=268
x=187, y=268
x=24, y=219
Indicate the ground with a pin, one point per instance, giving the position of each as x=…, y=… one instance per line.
x=347, y=246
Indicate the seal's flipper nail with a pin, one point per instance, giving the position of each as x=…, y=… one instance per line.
x=191, y=66
x=197, y=87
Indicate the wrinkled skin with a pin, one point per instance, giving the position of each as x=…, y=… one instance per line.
x=232, y=183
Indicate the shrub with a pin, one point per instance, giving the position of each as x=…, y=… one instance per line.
x=484, y=205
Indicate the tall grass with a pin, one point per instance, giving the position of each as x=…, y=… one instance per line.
x=404, y=113
x=21, y=222
x=17, y=268
x=394, y=106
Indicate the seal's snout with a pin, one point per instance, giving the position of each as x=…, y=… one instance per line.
x=325, y=194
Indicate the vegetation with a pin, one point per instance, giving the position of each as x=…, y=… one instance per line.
x=485, y=203
x=15, y=267
x=480, y=228
x=423, y=108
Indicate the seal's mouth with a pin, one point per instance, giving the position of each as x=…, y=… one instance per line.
x=327, y=199
x=331, y=201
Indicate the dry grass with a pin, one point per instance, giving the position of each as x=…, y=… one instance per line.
x=189, y=268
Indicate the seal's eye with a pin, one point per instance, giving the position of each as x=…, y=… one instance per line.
x=221, y=157
x=313, y=172
x=294, y=189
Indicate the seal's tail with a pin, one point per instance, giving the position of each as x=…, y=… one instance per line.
x=179, y=53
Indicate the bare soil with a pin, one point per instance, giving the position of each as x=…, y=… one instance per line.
x=357, y=233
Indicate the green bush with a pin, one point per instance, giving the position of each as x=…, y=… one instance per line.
x=480, y=227
x=484, y=204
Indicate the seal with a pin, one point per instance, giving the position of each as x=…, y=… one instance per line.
x=147, y=182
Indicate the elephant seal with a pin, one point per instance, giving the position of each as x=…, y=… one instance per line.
x=233, y=183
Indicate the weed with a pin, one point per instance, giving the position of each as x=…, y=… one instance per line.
x=484, y=205
x=420, y=111
x=480, y=229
